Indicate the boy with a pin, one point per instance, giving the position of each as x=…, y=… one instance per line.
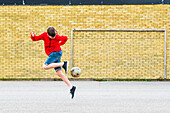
x=52, y=43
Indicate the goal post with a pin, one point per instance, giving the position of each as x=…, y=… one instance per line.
x=126, y=30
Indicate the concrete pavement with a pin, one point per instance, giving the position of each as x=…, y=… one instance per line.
x=91, y=97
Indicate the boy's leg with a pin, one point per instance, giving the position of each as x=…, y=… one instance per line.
x=64, y=78
x=52, y=65
x=55, y=65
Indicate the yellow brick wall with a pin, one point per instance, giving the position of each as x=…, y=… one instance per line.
x=99, y=54
x=119, y=54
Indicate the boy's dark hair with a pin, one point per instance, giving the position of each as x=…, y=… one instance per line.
x=51, y=31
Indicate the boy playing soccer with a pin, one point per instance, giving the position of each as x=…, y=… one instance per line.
x=52, y=43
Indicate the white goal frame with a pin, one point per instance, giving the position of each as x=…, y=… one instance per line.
x=132, y=30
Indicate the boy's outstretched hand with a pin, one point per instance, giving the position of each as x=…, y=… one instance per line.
x=32, y=34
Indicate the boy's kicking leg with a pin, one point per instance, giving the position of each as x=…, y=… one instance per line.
x=54, y=65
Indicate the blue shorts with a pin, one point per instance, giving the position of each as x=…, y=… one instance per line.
x=54, y=57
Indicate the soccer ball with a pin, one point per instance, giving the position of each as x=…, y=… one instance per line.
x=75, y=72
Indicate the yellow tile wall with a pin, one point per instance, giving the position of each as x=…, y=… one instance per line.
x=99, y=54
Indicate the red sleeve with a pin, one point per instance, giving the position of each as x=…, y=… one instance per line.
x=63, y=39
x=36, y=38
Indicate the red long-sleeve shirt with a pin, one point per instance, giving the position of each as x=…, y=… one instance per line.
x=50, y=45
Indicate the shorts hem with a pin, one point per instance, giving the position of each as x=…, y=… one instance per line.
x=56, y=69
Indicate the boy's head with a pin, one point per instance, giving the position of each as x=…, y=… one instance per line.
x=51, y=32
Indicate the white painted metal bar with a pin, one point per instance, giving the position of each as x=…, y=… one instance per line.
x=131, y=30
x=161, y=30
x=71, y=50
x=165, y=57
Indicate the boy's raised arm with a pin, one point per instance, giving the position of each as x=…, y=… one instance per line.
x=36, y=38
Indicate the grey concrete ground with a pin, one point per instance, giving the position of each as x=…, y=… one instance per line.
x=91, y=97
